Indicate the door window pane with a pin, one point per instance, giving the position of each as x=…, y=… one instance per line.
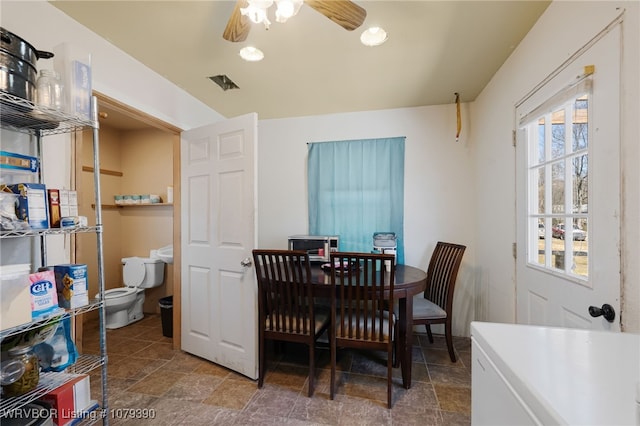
x=559, y=189
x=580, y=123
x=558, y=134
x=540, y=256
x=557, y=243
x=540, y=145
x=580, y=184
x=541, y=190
x=580, y=248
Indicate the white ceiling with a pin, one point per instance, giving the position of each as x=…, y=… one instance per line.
x=313, y=66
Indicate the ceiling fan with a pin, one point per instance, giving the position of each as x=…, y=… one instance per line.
x=345, y=13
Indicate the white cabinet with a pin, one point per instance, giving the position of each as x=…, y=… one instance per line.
x=23, y=117
x=494, y=402
x=532, y=375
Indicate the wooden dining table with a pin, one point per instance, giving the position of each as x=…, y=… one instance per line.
x=409, y=281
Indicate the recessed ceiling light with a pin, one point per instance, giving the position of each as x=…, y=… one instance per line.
x=374, y=36
x=251, y=54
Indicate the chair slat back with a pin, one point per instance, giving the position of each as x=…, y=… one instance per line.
x=285, y=292
x=442, y=274
x=364, y=291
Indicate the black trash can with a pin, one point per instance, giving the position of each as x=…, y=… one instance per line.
x=166, y=314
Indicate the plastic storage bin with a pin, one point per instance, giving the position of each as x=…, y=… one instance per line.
x=166, y=314
x=15, y=298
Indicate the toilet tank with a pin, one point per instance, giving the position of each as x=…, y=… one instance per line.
x=142, y=272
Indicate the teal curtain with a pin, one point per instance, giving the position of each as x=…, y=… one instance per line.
x=356, y=188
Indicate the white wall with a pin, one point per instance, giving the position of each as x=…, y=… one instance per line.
x=439, y=187
x=561, y=31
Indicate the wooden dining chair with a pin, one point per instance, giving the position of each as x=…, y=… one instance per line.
x=359, y=313
x=435, y=305
x=286, y=308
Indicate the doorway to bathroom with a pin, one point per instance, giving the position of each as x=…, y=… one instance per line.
x=139, y=162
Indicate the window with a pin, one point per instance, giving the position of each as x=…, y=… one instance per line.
x=558, y=182
x=356, y=188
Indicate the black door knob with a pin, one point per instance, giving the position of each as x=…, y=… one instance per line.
x=606, y=311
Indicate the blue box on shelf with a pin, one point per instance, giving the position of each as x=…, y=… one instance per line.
x=12, y=161
x=32, y=204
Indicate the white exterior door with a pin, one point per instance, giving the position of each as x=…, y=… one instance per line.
x=219, y=294
x=568, y=193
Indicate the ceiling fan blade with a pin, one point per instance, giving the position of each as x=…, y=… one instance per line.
x=238, y=25
x=345, y=13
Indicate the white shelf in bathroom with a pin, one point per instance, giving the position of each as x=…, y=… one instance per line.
x=145, y=205
x=118, y=206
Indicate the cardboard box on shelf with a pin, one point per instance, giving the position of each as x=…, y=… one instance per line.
x=11, y=161
x=82, y=394
x=73, y=203
x=32, y=204
x=71, y=400
x=71, y=283
x=44, y=297
x=64, y=203
x=54, y=208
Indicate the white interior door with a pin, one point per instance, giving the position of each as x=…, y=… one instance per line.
x=219, y=294
x=568, y=177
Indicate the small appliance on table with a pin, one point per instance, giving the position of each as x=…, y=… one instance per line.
x=385, y=243
x=318, y=247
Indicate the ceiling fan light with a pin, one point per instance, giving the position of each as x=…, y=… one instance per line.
x=260, y=4
x=251, y=54
x=373, y=36
x=282, y=18
x=285, y=9
x=254, y=13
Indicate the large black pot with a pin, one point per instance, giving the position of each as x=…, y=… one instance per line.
x=18, y=72
x=17, y=77
x=20, y=48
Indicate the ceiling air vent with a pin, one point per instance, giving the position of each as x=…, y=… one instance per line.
x=224, y=82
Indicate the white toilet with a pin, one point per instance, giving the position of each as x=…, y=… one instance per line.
x=123, y=305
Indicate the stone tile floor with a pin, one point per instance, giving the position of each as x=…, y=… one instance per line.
x=146, y=377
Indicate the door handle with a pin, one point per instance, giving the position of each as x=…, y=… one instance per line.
x=246, y=262
x=606, y=311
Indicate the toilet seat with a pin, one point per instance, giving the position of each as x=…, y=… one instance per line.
x=119, y=292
